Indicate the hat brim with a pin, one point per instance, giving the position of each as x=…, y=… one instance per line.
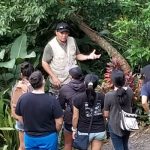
x=63, y=30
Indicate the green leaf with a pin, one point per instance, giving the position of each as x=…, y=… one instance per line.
x=2, y=54
x=5, y=147
x=10, y=64
x=31, y=55
x=7, y=129
x=19, y=48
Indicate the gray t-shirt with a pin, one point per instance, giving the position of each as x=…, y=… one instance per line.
x=111, y=105
x=48, y=52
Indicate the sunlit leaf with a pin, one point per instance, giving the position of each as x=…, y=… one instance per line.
x=2, y=54
x=10, y=64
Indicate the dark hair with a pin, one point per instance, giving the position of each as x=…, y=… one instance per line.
x=145, y=72
x=26, y=69
x=118, y=79
x=36, y=79
x=91, y=82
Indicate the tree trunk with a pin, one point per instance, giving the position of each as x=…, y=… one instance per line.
x=112, y=52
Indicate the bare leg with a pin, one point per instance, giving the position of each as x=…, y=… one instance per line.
x=68, y=141
x=21, y=140
x=96, y=145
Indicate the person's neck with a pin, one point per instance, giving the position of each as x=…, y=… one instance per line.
x=61, y=42
x=38, y=91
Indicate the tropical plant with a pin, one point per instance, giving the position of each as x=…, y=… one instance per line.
x=132, y=80
x=7, y=132
x=9, y=73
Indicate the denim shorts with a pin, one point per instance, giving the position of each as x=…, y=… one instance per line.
x=19, y=126
x=95, y=136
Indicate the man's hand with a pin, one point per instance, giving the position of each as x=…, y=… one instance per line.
x=56, y=82
x=93, y=55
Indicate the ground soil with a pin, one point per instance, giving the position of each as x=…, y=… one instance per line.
x=139, y=140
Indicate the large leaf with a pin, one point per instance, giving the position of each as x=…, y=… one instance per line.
x=2, y=54
x=19, y=48
x=9, y=64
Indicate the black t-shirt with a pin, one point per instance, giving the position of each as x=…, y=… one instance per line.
x=39, y=112
x=81, y=103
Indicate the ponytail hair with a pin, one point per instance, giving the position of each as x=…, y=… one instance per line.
x=118, y=79
x=91, y=82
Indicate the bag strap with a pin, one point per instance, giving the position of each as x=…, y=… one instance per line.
x=93, y=108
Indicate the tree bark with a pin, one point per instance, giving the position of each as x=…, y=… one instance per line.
x=112, y=52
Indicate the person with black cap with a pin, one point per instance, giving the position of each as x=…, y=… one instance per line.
x=145, y=90
x=60, y=54
x=66, y=93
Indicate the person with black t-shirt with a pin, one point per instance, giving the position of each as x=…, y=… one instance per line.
x=83, y=105
x=42, y=116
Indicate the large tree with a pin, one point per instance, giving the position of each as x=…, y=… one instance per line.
x=122, y=24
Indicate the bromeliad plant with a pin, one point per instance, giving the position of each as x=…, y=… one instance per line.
x=132, y=81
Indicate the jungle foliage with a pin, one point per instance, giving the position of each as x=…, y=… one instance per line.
x=26, y=26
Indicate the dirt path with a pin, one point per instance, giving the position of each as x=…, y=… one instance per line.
x=139, y=140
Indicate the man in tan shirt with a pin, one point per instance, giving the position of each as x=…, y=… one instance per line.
x=60, y=54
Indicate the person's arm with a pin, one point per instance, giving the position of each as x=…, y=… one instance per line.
x=106, y=106
x=91, y=56
x=18, y=112
x=106, y=114
x=48, y=69
x=59, y=122
x=58, y=114
x=145, y=103
x=62, y=97
x=75, y=119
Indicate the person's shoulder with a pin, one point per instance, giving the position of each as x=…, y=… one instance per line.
x=71, y=38
x=110, y=93
x=129, y=89
x=147, y=84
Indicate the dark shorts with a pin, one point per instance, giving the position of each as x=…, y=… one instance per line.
x=67, y=127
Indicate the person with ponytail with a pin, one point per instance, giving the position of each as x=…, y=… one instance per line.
x=120, y=97
x=83, y=106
